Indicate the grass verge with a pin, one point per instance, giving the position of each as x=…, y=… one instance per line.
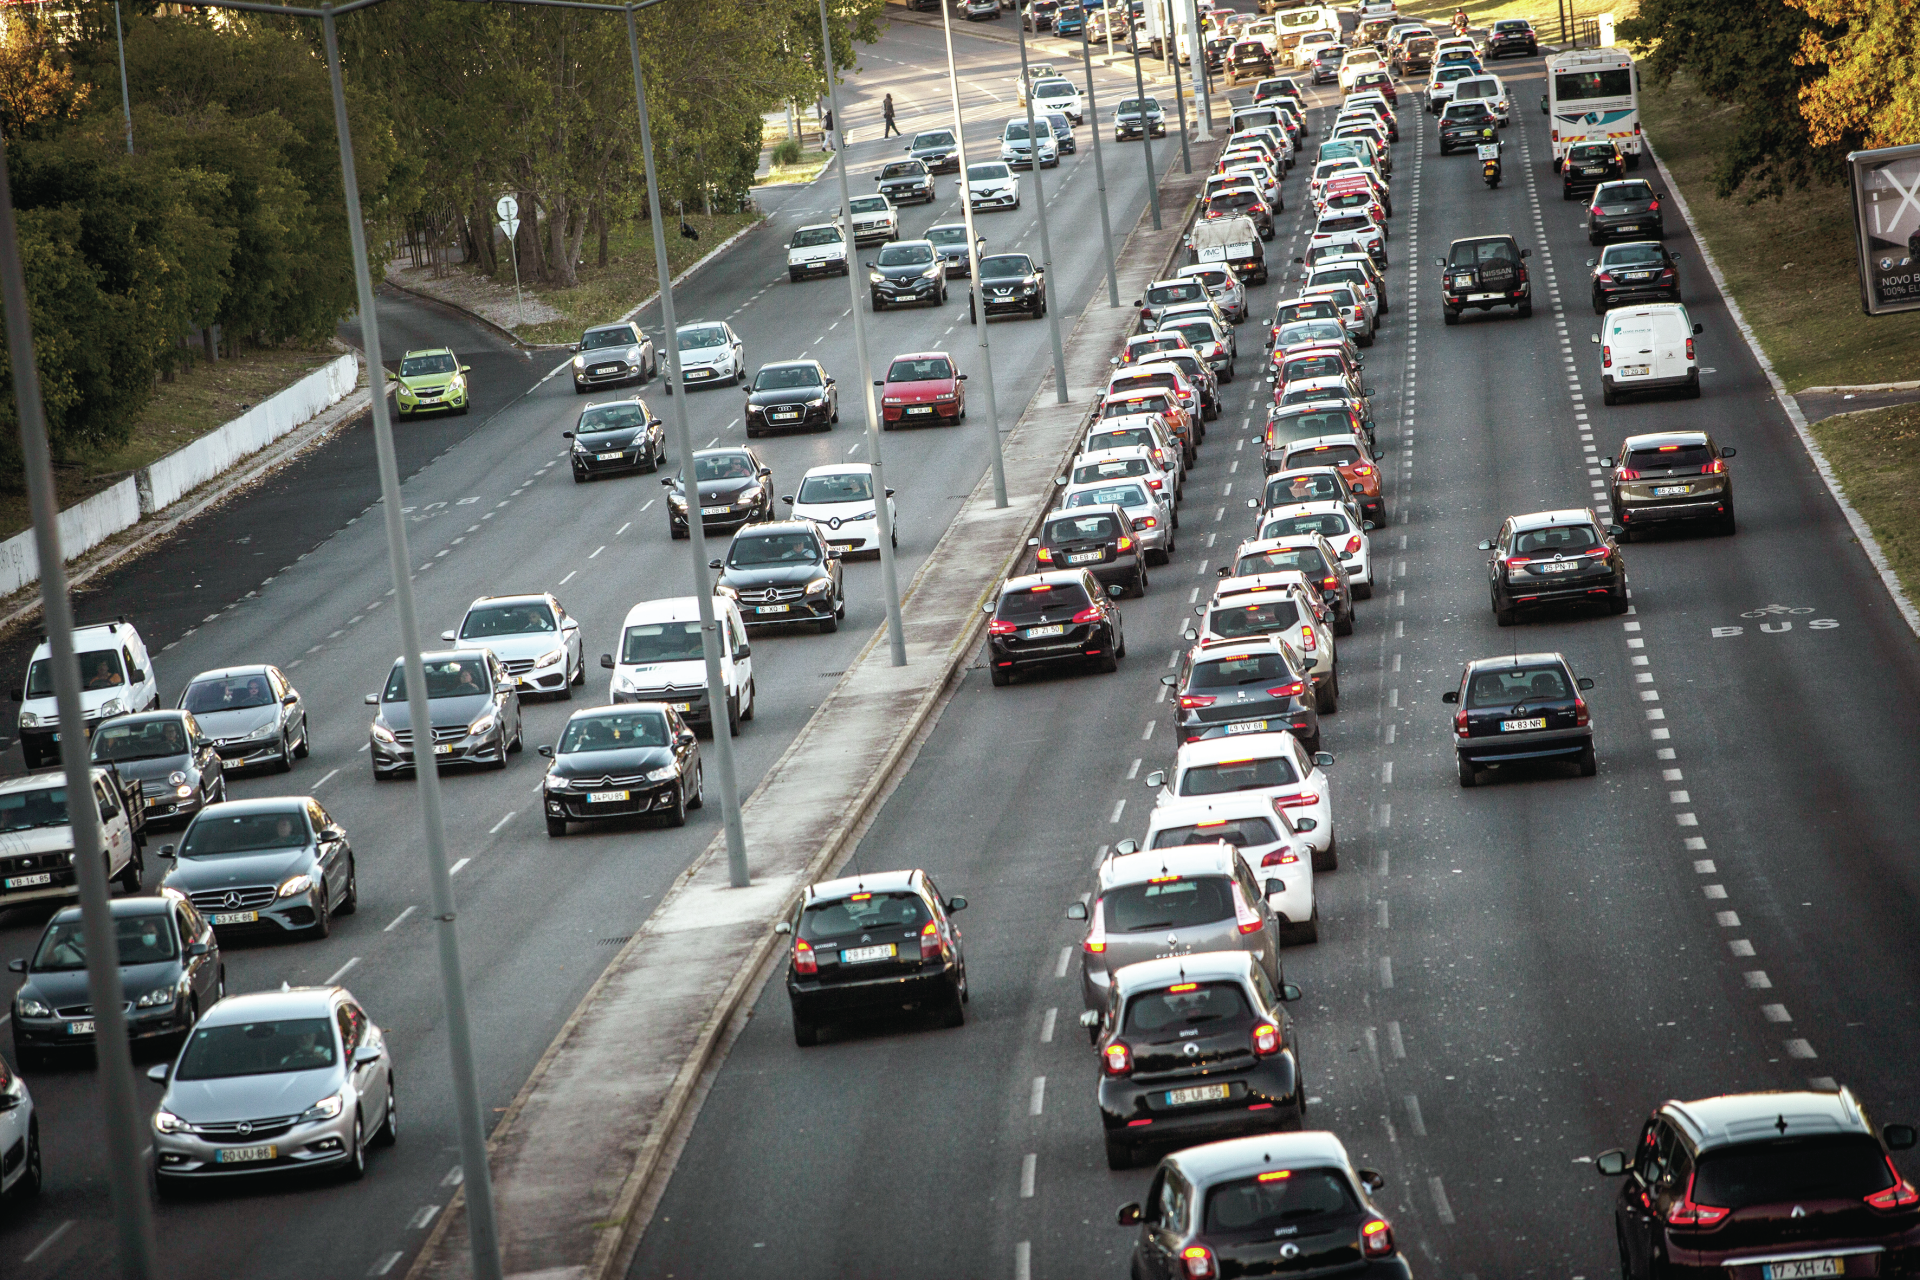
x=810, y=166
x=1877, y=456
x=1543, y=14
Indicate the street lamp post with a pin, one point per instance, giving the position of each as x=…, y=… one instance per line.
x=126, y=100
x=1146, y=133
x=1040, y=203
x=1099, y=168
x=1172, y=46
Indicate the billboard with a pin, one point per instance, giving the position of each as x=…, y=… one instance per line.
x=1886, y=227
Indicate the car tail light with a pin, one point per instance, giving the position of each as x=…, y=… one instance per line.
x=1297, y=689
x=1090, y=614
x=1096, y=940
x=1198, y=1260
x=1900, y=1195
x=1353, y=545
x=1125, y=543
x=1363, y=470
x=1155, y=484
x=1460, y=723
x=1245, y=918
x=1117, y=1059
x=1192, y=701
x=1307, y=640
x=1280, y=856
x=1044, y=556
x=1717, y=467
x=1606, y=357
x=1689, y=348
x=998, y=628
x=1605, y=277
x=803, y=957
x=1298, y=800
x=1626, y=473
x=1330, y=583
x=1689, y=1214
x=1580, y=715
x=1667, y=274
x=931, y=943
x=1595, y=210
x=1655, y=206
x=1376, y=1238
x=1146, y=522
x=1266, y=1039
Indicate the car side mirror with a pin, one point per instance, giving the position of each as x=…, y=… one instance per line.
x=1593, y=337
x=787, y=498
x=956, y=904
x=1898, y=1137
x=1323, y=759
x=668, y=480
x=1607, y=461
x=1593, y=262
x=1366, y=391
x=1610, y=1164
x=447, y=636
x=1126, y=847
x=713, y=564
x=686, y=737
x=1129, y=1215
x=573, y=346
x=765, y=472
x=1439, y=262
x=544, y=751
x=1486, y=544
x=1615, y=531
x=1301, y=261
x=198, y=948
x=1114, y=589
x=889, y=493
x=1303, y=825
x=137, y=674
x=1158, y=778
x=1272, y=380
x=166, y=851
x=1060, y=480
x=1253, y=504
x=1451, y=697
x=1526, y=253
x=959, y=377
x=1274, y=886
x=1728, y=453
x=744, y=651
x=606, y=660
x=1585, y=682
x=372, y=699
x=1168, y=681
x=987, y=608
x=17, y=966
x=1076, y=911
x=1189, y=634
x=783, y=928
x=1372, y=1179
x=1289, y=993
x=366, y=1055
x=1699, y=329
x=834, y=553
x=878, y=383
x=159, y=1071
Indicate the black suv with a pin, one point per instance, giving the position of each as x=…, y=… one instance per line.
x=1481, y=273
x=1588, y=165
x=1010, y=282
x=1248, y=60
x=782, y=572
x=1415, y=54
x=1045, y=618
x=907, y=271
x=1512, y=35
x=871, y=944
x=1670, y=476
x=1466, y=124
x=1249, y=684
x=611, y=438
x=1526, y=706
x=1779, y=1184
x=1554, y=557
x=1099, y=539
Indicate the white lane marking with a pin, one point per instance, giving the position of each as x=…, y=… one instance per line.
x=1148, y=731
x=1193, y=595
x=1800, y=1049
x=1394, y=1042
x=569, y=578
x=454, y=870
x=1757, y=979
x=323, y=781
x=1028, y=1167
x=1066, y=955
x=1038, y=1099
x=455, y=1176
x=1440, y=1204
x=1046, y=1027
x=597, y=550
x=1133, y=770
x=1023, y=1261
x=50, y=1241
x=1740, y=947
x=1386, y=774
x=397, y=919
x=650, y=502
x=1118, y=806
x=422, y=1216
x=713, y=442
x=494, y=830
x=1703, y=866
x=1386, y=973
x=623, y=528
x=341, y=972
x=1775, y=1013
x=1415, y=1120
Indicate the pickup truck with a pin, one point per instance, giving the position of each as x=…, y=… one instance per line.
x=36, y=837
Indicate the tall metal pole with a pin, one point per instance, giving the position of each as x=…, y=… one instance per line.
x=690, y=485
x=482, y=1231
x=979, y=300
x=1202, y=77
x=126, y=101
x=1099, y=169
x=1146, y=135
x=1172, y=47
x=890, y=581
x=1046, y=246
x=126, y=1171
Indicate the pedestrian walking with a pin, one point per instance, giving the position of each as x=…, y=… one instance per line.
x=886, y=113
x=826, y=131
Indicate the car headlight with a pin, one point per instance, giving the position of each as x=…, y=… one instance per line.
x=931, y=271
x=818, y=585
x=31, y=1008
x=176, y=778
x=325, y=1109
x=111, y=707
x=666, y=773
x=883, y=400
x=167, y=1122
x=294, y=886
x=625, y=680
x=633, y=355
x=750, y=494
x=381, y=733
x=722, y=589
x=549, y=659
x=183, y=791
x=28, y=720
x=579, y=362
x=874, y=277
x=817, y=401
x=483, y=725
x=554, y=782
x=158, y=998
x=580, y=448
x=676, y=499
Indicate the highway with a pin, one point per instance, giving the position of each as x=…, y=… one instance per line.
x=1508, y=979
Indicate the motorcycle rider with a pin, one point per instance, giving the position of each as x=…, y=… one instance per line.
x=1460, y=22
x=1490, y=165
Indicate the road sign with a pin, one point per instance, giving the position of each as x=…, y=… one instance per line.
x=508, y=208
x=510, y=227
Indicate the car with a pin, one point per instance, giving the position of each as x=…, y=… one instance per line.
x=1097, y=538
x=1630, y=207
x=1520, y=707
x=170, y=969
x=1351, y=307
x=1291, y=606
x=1305, y=484
x=1464, y=125
x=1588, y=165
x=981, y=10
x=783, y=572
x=1343, y=532
x=1550, y=558
x=1010, y=283
x=1121, y=427
x=818, y=250
x=168, y=759
x=907, y=271
x=710, y=352
x=1200, y=375
x=1279, y=90
x=1061, y=616
x=1416, y=54
x=992, y=186
x=1136, y=114
x=906, y=182
x=1482, y=272
x=1248, y=60
x=276, y=867
x=1037, y=15
x=874, y=218
x=1253, y=682
x=838, y=498
x=1318, y=415
x=253, y=714
x=663, y=659
x=533, y=635
x=1062, y=131
x=1069, y=19
x=1648, y=348
x=1273, y=765
x=21, y=1176
x=1196, y=1047
x=1162, y=294
x=611, y=354
x=116, y=674
x=736, y=488
x=1488, y=90
x=1357, y=61
x=619, y=762
x=1636, y=271
x=1340, y=262
x=273, y=1082
x=1145, y=348
x=1132, y=462
x=1242, y=201
x=615, y=437
x=1208, y=332
x=1149, y=513
x=1773, y=1183
x=1326, y=63
x=1355, y=462
x=1271, y=846
x=792, y=394
x=950, y=242
x=1151, y=375
x=1440, y=82
x=1512, y=35
x=430, y=380
x=1017, y=150
x=937, y=149
x=1367, y=150
x=1332, y=369
x=1302, y=335
x=36, y=860
x=841, y=967
x=922, y=387
x=1667, y=477
x=474, y=711
x=1380, y=81
x=1215, y=50
x=1057, y=93
x=1308, y=554
x=1272, y=1203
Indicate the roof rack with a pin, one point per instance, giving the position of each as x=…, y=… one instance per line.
x=117, y=621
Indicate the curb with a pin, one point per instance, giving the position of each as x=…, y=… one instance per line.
x=1875, y=556
x=709, y=256
x=1872, y=386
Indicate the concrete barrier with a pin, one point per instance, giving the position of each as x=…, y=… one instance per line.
x=83, y=526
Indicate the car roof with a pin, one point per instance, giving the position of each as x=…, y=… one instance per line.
x=602, y=328
x=1214, y=1162
x=870, y=882
x=1546, y=519
x=428, y=351
x=256, y=804
x=1655, y=439
x=1183, y=810
x=1180, y=860
x=40, y=781
x=146, y=717
x=444, y=655
x=921, y=355
x=1051, y=578
x=666, y=609
x=225, y=673
x=804, y=364
x=839, y=469
x=1766, y=1116
x=1323, y=350
x=770, y=527
x=1119, y=451
x=1128, y=421
x=1241, y=746
x=1257, y=545
x=532, y=597
x=1507, y=239
x=1203, y=966
x=1319, y=507
x=1514, y=660
x=1317, y=442
x=288, y=1002
x=1272, y=580
x=1099, y=508
x=819, y=226
x=146, y=904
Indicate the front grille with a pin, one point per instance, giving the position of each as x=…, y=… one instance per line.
x=441, y=733
x=246, y=1130
x=771, y=595
x=609, y=782
x=28, y=862
x=249, y=898
x=518, y=666
x=84, y=1010
x=696, y=697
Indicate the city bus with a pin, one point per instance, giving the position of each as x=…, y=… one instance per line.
x=1593, y=95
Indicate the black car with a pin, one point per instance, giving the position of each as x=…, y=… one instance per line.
x=1011, y=282
x=1326, y=63
x=1038, y=15
x=907, y=271
x=613, y=438
x=169, y=756
x=950, y=242
x=872, y=944
x=1512, y=35
x=279, y=866
x=783, y=572
x=1216, y=51
x=1466, y=125
x=1098, y=539
x=1769, y=1184
x=1554, y=557
x=1241, y=202
x=253, y=714
x=1248, y=60
x=1587, y=165
x=1129, y=115
x=1523, y=707
x=170, y=970
x=1250, y=682
x=1666, y=477
x=1412, y=55
x=937, y=149
x=1195, y=1048
x=792, y=395
x=906, y=182
x=1288, y=1204
x=1640, y=271
x=619, y=762
x=736, y=489
x=1063, y=136
x=1630, y=208
x=1481, y=273
x=473, y=708
x=608, y=354
x=1058, y=616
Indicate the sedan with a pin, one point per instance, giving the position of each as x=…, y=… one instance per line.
x=534, y=637
x=1554, y=557
x=612, y=438
x=922, y=387
x=617, y=762
x=473, y=706
x=1526, y=706
x=1512, y=35
x=1625, y=208
x=710, y=351
x=1638, y=271
x=253, y=714
x=168, y=758
x=792, y=394
x=783, y=572
x=1589, y=164
x=906, y=182
x=1044, y=619
x=735, y=489
x=872, y=944
x=276, y=867
x=19, y=1136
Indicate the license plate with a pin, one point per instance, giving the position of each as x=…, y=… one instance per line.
x=236, y=917
x=27, y=882
x=443, y=748
x=921, y=409
x=1034, y=633
x=1593, y=172
x=683, y=706
x=80, y=1028
x=699, y=373
x=774, y=608
x=860, y=955
x=1086, y=557
x=244, y=1155
x=1668, y=490
x=606, y=457
x=1802, y=1267
x=713, y=511
x=1635, y=370
x=607, y=797
x=1515, y=726
x=1558, y=566
x=1637, y=275
x=785, y=417
x=1248, y=726
x=1198, y=1093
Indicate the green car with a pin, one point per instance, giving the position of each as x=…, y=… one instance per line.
x=431, y=380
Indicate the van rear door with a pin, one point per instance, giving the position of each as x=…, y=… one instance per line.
x=1630, y=339
x=1670, y=335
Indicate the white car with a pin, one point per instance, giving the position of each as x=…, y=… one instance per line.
x=710, y=351
x=1017, y=150
x=1152, y=515
x=1489, y=89
x=1254, y=165
x=1273, y=766
x=536, y=640
x=1134, y=462
x=1344, y=225
x=839, y=498
x=1337, y=524
x=992, y=186
x=1310, y=45
x=1057, y=94
x=1440, y=85
x=818, y=250
x=1468, y=43
x=116, y=677
x=1269, y=849
x=1148, y=430
x=1272, y=136
x=1341, y=269
x=661, y=659
x=1366, y=10
x=1357, y=61
x=20, y=1170
x=1280, y=603
x=874, y=218
x=1648, y=347
x=1223, y=286
x=1208, y=332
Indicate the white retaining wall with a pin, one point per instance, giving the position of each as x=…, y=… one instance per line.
x=83, y=526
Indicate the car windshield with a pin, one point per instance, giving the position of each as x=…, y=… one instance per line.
x=142, y=939
x=853, y=486
x=228, y=693
x=1307, y=560
x=808, y=237
x=906, y=255
x=987, y=172
x=414, y=366
x=1111, y=469
x=1043, y=600
x=867, y=914
x=99, y=669
x=1328, y=524
x=614, y=731
x=1670, y=457
x=1053, y=89
x=704, y=337
x=1131, y=106
x=257, y=1049
x=945, y=236
x=869, y=204
x=1004, y=265
x=1829, y=1167
x=507, y=620
x=1515, y=685
x=40, y=807
x=1241, y=669
x=1555, y=539
x=1079, y=529
x=1174, y=904
x=939, y=138
x=928, y=369
x=1274, y=612
x=213, y=833
x=1017, y=130
x=1109, y=495
x=661, y=642
x=1281, y=1202
x=1241, y=833
x=723, y=466
x=787, y=377
x=446, y=678
x=904, y=169
x=773, y=548
x=140, y=739
x=1237, y=775
x=1622, y=192
x=611, y=417
x=598, y=338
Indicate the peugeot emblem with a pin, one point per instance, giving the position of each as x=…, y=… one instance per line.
x=244, y=1128
x=1191, y=1049
x=1289, y=1250
x=232, y=900
x=1798, y=1212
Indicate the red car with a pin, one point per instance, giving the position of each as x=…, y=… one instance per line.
x=923, y=387
x=1379, y=81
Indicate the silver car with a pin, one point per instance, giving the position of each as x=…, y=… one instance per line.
x=535, y=638
x=253, y=714
x=275, y=1081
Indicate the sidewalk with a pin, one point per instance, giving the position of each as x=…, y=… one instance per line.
x=576, y=1153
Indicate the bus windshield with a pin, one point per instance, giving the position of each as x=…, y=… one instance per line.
x=1589, y=86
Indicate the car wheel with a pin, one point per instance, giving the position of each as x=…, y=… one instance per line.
x=1588, y=765
x=829, y=625
x=955, y=1014
x=556, y=826
x=350, y=903
x=1607, y=396
x=357, y=1153
x=1309, y=931
x=1502, y=616
x=1327, y=859
x=1119, y=1154
x=677, y=816
x=285, y=763
x=805, y=1033
x=1363, y=591
x=1599, y=304
x=29, y=1185
x=1525, y=309
x=794, y=276
x=753, y=703
x=1617, y=601
x=322, y=917
x=1449, y=317
x=1002, y=676
x=566, y=692
x=1107, y=663
x=699, y=799
x=1326, y=699
x=1140, y=582
x=733, y=717
x=389, y=1131
x=302, y=751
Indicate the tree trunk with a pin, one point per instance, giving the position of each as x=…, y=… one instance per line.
x=600, y=216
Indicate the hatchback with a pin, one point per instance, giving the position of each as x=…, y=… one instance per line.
x=1625, y=208
x=838, y=497
x=612, y=438
x=874, y=943
x=1355, y=463
x=1554, y=557
x=1587, y=165
x=733, y=488
x=1252, y=682
x=1274, y=848
x=170, y=759
x=1523, y=707
x=1334, y=522
x=1670, y=476
x=1273, y=765
x=1150, y=513
x=922, y=387
x=1248, y=60
x=1096, y=538
x=273, y=866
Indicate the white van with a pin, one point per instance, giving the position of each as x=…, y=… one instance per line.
x=116, y=677
x=1489, y=89
x=36, y=836
x=661, y=660
x=1648, y=348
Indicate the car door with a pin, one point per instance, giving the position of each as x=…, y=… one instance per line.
x=1497, y=556
x=1634, y=1214
x=1670, y=334
x=142, y=692
x=739, y=349
x=116, y=833
x=368, y=1077
x=506, y=697
x=330, y=851
x=832, y=561
x=741, y=659
x=1630, y=342
x=199, y=968
x=570, y=632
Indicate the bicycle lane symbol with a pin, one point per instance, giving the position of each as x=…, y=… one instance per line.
x=1780, y=620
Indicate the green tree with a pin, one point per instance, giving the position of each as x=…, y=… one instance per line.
x=1868, y=59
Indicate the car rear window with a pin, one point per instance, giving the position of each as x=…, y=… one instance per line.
x=1346, y=222
x=1121, y=408
x=1080, y=528
x=1308, y=488
x=1831, y=1167
x=1307, y=560
x=1178, y=902
x=1670, y=457
x=1559, y=538
x=1520, y=684
x=1187, y=1004
x=1283, y=1201
x=1315, y=366
x=1328, y=524
x=1623, y=192
x=1248, y=668
x=1317, y=310
x=859, y=913
x=1186, y=291
x=1325, y=455
x=1592, y=151
x=932, y=370
x=1241, y=833
x=1246, y=774
x=1115, y=469
x=1023, y=604
x=1256, y=618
